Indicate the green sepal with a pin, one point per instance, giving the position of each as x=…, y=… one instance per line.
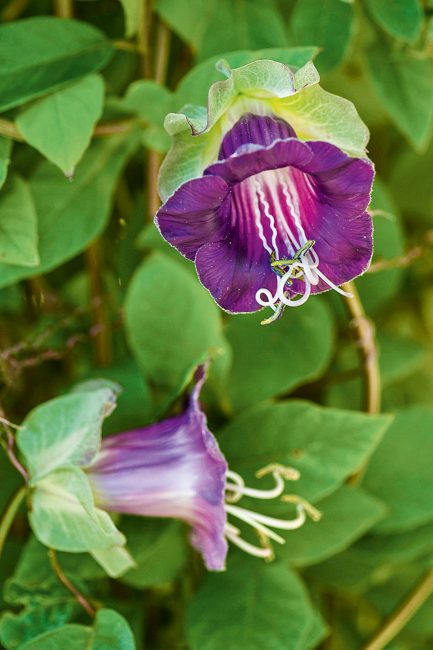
x=65, y=431
x=260, y=87
x=64, y=517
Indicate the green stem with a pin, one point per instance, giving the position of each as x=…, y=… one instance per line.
x=403, y=614
x=9, y=515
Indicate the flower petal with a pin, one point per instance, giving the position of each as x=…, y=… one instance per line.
x=254, y=129
x=233, y=277
x=191, y=216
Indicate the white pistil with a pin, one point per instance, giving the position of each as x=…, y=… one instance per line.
x=263, y=524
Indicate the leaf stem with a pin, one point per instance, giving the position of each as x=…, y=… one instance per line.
x=9, y=515
x=365, y=332
x=79, y=597
x=403, y=614
x=407, y=258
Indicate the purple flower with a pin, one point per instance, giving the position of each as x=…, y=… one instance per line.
x=176, y=469
x=170, y=469
x=274, y=218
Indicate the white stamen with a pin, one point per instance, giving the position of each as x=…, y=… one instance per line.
x=263, y=524
x=240, y=490
x=256, y=551
x=252, y=518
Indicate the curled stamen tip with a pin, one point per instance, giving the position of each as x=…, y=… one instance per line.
x=266, y=545
x=289, y=473
x=310, y=510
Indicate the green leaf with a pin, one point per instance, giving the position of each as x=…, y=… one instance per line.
x=252, y=605
x=41, y=53
x=34, y=620
x=150, y=102
x=18, y=226
x=400, y=473
x=346, y=515
x=60, y=125
x=404, y=84
x=5, y=152
x=72, y=637
x=330, y=28
x=65, y=431
x=112, y=632
x=71, y=214
x=377, y=288
x=317, y=632
x=44, y=601
x=325, y=445
x=403, y=548
x=158, y=547
x=352, y=571
x=194, y=86
x=131, y=10
x=172, y=323
x=408, y=183
x=303, y=337
x=400, y=18
x=203, y=24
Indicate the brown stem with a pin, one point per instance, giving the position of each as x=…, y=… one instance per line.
x=63, y=8
x=405, y=260
x=162, y=51
x=365, y=332
x=13, y=10
x=143, y=36
x=101, y=325
x=82, y=600
x=163, y=38
x=403, y=614
x=10, y=444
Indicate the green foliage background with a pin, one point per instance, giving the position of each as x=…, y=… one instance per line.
x=89, y=289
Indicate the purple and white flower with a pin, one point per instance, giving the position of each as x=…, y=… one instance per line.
x=274, y=219
x=176, y=469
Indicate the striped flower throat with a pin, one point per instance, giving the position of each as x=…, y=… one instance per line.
x=277, y=218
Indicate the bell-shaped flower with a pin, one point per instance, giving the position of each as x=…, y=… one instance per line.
x=268, y=203
x=176, y=469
